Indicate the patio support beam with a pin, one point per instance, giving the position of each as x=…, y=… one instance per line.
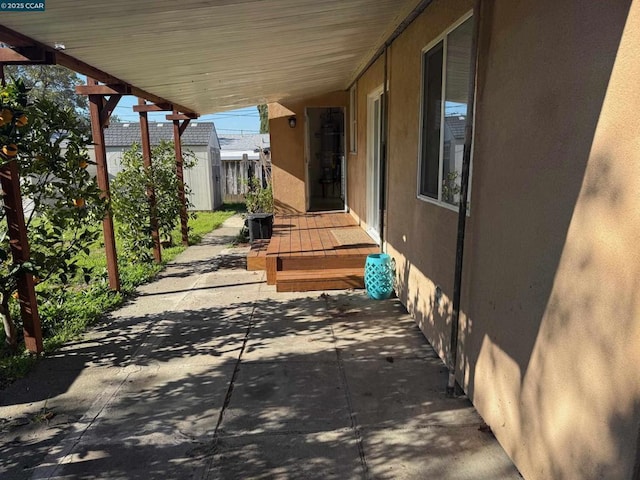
x=100, y=112
x=108, y=107
x=25, y=56
x=182, y=116
x=178, y=130
x=151, y=194
x=111, y=89
x=16, y=39
x=19, y=245
x=153, y=107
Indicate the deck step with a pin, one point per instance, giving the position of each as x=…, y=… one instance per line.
x=322, y=279
x=352, y=261
x=257, y=256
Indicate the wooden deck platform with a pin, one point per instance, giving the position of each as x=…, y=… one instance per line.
x=314, y=251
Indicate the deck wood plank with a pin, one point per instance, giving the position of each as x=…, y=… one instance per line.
x=305, y=237
x=324, y=232
x=316, y=242
x=304, y=255
x=295, y=236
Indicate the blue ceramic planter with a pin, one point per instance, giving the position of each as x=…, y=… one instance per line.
x=379, y=272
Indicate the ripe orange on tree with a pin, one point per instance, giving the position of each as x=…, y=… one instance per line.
x=10, y=150
x=6, y=116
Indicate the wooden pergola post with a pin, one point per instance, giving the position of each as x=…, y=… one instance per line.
x=178, y=129
x=151, y=195
x=100, y=110
x=19, y=245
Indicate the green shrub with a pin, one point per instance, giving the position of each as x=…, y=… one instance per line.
x=259, y=199
x=130, y=202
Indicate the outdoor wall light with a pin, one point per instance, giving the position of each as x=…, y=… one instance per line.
x=292, y=122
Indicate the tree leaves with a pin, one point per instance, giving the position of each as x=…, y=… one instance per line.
x=51, y=82
x=51, y=154
x=131, y=205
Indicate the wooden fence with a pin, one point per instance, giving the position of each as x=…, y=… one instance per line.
x=235, y=177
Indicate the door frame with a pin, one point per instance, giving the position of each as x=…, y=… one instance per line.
x=307, y=155
x=373, y=170
x=307, y=161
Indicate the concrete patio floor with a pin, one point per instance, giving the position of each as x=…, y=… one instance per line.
x=210, y=374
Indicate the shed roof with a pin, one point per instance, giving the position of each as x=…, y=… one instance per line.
x=243, y=142
x=126, y=134
x=210, y=56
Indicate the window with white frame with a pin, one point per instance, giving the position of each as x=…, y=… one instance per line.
x=445, y=103
x=353, y=119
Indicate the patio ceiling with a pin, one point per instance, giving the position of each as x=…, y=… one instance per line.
x=210, y=56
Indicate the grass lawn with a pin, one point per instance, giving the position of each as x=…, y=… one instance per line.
x=67, y=313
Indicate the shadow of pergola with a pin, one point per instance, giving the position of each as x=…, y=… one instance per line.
x=317, y=386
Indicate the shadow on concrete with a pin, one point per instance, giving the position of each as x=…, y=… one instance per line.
x=326, y=387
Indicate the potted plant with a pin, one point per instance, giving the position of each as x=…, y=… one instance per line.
x=259, y=202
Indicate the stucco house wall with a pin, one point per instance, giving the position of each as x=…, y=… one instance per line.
x=552, y=341
x=550, y=322
x=550, y=325
x=421, y=236
x=288, y=168
x=371, y=79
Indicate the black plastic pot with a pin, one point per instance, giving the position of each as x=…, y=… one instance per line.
x=260, y=226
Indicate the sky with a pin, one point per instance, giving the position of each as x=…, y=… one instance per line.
x=242, y=121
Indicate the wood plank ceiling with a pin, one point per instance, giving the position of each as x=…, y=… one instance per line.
x=212, y=56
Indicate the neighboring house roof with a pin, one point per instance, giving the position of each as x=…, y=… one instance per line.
x=456, y=124
x=246, y=143
x=126, y=134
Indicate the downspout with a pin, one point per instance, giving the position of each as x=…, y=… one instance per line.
x=383, y=150
x=462, y=211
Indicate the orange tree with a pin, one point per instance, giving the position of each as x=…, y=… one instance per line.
x=62, y=202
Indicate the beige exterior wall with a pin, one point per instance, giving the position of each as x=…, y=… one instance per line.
x=421, y=236
x=550, y=338
x=371, y=80
x=552, y=344
x=550, y=333
x=288, y=151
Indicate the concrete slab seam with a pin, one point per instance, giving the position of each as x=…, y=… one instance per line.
x=80, y=429
x=347, y=393
x=227, y=399
x=287, y=361
x=58, y=457
x=103, y=399
x=353, y=416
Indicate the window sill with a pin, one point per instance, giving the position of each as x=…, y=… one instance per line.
x=440, y=203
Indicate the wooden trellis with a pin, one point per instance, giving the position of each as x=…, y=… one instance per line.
x=103, y=98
